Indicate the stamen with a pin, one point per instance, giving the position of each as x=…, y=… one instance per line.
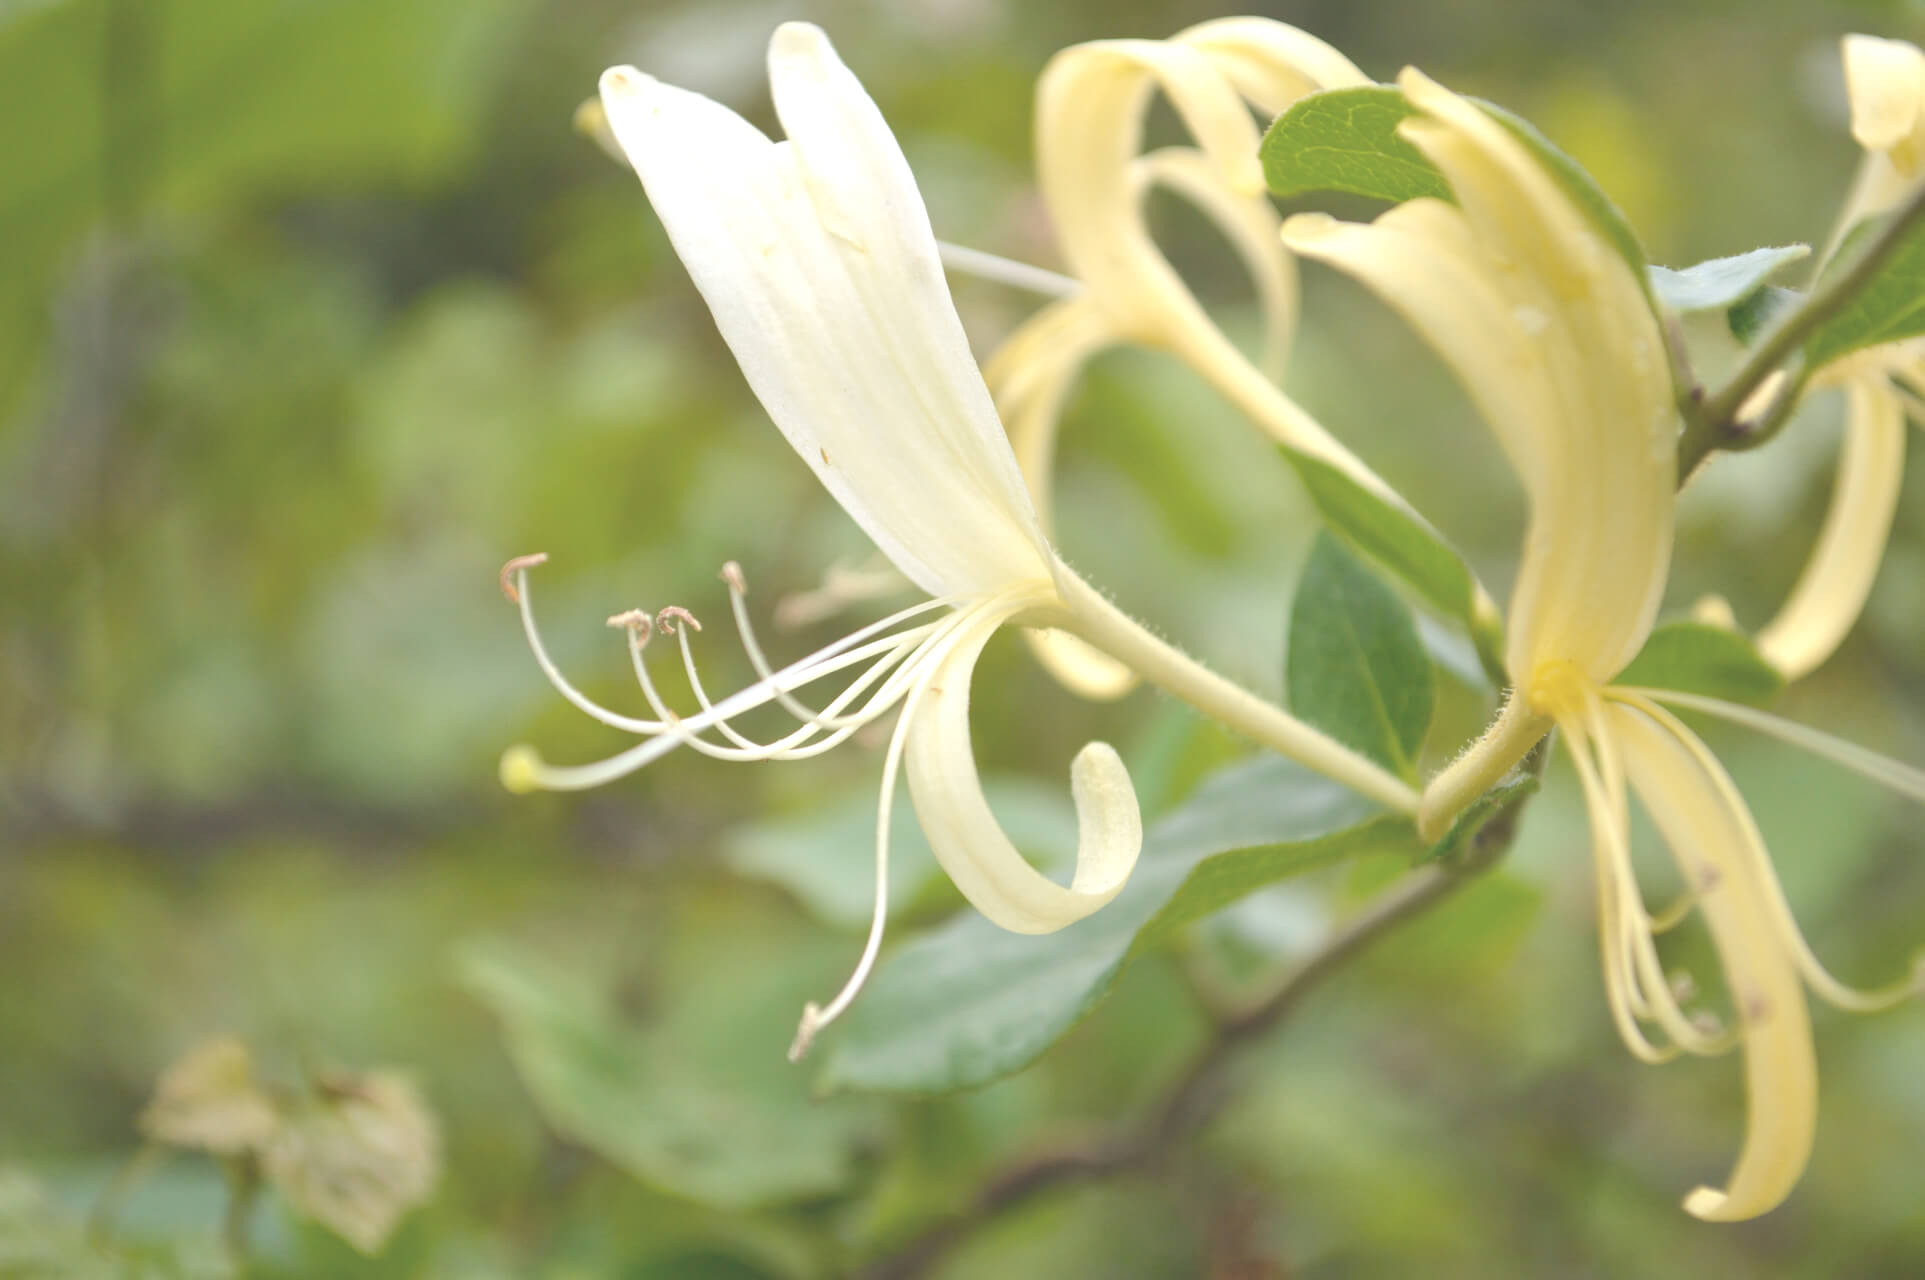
x=738, y=603
x=815, y=1017
x=667, y=618
x=1758, y=857
x=519, y=593
x=999, y=270
x=517, y=568
x=1889, y=773
x=666, y=738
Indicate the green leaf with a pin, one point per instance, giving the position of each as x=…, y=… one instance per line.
x=1722, y=282
x=1890, y=307
x=1357, y=668
x=222, y=100
x=1470, y=824
x=1346, y=140
x=647, y=1104
x=1403, y=544
x=968, y=1003
x=1759, y=312
x=1697, y=658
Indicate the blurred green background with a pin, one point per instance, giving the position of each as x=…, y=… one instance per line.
x=312, y=312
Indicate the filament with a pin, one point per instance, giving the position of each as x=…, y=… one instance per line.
x=816, y=1017
x=999, y=270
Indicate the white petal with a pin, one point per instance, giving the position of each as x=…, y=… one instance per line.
x=921, y=466
x=1885, y=83
x=964, y=833
x=1836, y=582
x=1781, y=1073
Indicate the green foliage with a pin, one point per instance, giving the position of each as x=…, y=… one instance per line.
x=1347, y=140
x=1722, y=283
x=197, y=106
x=1357, y=669
x=1755, y=315
x=718, y=1135
x=1694, y=657
x=969, y=1003
x=1891, y=307
x=1402, y=543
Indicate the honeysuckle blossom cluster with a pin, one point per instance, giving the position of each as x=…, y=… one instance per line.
x=817, y=260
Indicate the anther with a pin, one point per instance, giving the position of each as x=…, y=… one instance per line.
x=521, y=770
x=667, y=618
x=1684, y=988
x=636, y=620
x=515, y=566
x=732, y=574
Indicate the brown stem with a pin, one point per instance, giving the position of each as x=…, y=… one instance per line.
x=1715, y=424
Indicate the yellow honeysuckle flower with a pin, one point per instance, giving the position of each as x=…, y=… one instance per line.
x=1885, y=80
x=817, y=261
x=1550, y=333
x=1091, y=102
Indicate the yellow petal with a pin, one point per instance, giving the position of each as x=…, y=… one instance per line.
x=1689, y=806
x=1551, y=333
x=1832, y=590
x=1885, y=83
x=1272, y=63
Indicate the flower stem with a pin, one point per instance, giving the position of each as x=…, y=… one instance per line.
x=1092, y=617
x=1715, y=424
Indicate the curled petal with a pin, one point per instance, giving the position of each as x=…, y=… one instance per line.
x=1691, y=811
x=964, y=833
x=1836, y=582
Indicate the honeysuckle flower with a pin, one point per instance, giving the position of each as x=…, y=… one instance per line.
x=1090, y=107
x=1885, y=89
x=1885, y=81
x=817, y=261
x=1549, y=331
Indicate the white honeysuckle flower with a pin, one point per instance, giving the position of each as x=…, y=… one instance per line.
x=1882, y=385
x=1549, y=331
x=816, y=258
